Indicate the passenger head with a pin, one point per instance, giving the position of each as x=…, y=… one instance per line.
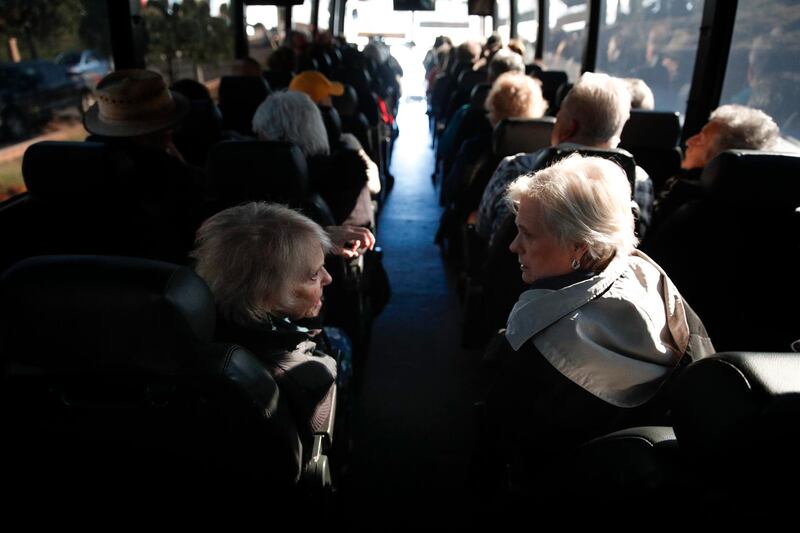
x=517, y=46
x=468, y=52
x=573, y=215
x=641, y=95
x=282, y=60
x=316, y=86
x=292, y=116
x=730, y=127
x=515, y=95
x=593, y=112
x=136, y=104
x=505, y=61
x=246, y=66
x=263, y=259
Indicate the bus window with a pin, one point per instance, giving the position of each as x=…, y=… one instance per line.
x=528, y=26
x=324, y=22
x=566, y=36
x=763, y=70
x=654, y=41
x=47, y=73
x=503, y=20
x=187, y=40
x=264, y=34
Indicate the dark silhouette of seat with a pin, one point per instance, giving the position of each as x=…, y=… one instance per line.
x=112, y=383
x=733, y=252
x=115, y=198
x=239, y=97
x=551, y=81
x=521, y=135
x=652, y=137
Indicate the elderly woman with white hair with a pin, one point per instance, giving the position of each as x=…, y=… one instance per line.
x=343, y=178
x=730, y=127
x=265, y=266
x=591, y=344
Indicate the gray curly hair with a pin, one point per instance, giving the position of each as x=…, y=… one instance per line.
x=743, y=127
x=292, y=116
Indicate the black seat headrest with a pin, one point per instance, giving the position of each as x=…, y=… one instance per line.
x=740, y=406
x=470, y=78
x=242, y=171
x=514, y=135
x=656, y=129
x=333, y=124
x=551, y=81
x=239, y=97
x=621, y=157
x=347, y=103
x=277, y=79
x=103, y=313
x=55, y=170
x=760, y=180
x=477, y=98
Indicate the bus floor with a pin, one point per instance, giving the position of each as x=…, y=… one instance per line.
x=413, y=424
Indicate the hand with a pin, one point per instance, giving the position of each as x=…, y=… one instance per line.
x=351, y=241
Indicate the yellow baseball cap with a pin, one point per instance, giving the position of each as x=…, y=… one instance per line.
x=315, y=85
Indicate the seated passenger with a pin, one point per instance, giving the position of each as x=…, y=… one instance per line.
x=590, y=345
x=264, y=264
x=341, y=178
x=592, y=115
x=135, y=112
x=513, y=95
x=729, y=127
x=641, y=95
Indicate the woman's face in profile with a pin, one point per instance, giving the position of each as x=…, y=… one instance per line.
x=306, y=287
x=540, y=253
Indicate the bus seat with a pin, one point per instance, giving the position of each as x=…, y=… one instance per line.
x=241, y=171
x=98, y=198
x=239, y=97
x=652, y=137
x=477, y=97
x=551, y=81
x=732, y=444
x=199, y=131
x=738, y=234
x=521, y=135
x=277, y=80
x=333, y=125
x=111, y=377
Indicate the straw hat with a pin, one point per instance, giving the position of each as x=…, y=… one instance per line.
x=134, y=102
x=315, y=85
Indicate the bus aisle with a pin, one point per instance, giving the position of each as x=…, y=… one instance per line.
x=413, y=425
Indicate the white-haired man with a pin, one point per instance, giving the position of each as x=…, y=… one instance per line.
x=591, y=116
x=729, y=127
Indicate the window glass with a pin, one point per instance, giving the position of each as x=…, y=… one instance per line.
x=654, y=40
x=324, y=21
x=763, y=67
x=503, y=22
x=264, y=33
x=52, y=56
x=184, y=39
x=565, y=36
x=528, y=26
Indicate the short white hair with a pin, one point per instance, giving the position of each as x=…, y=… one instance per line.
x=292, y=116
x=251, y=254
x=585, y=200
x=600, y=104
x=743, y=128
x=641, y=95
x=505, y=60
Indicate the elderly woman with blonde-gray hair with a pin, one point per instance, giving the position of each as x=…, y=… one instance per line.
x=265, y=266
x=590, y=345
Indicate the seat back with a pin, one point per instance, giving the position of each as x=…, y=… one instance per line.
x=517, y=135
x=652, y=137
x=239, y=97
x=242, y=171
x=110, y=375
x=551, y=81
x=94, y=197
x=199, y=131
x=749, y=207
